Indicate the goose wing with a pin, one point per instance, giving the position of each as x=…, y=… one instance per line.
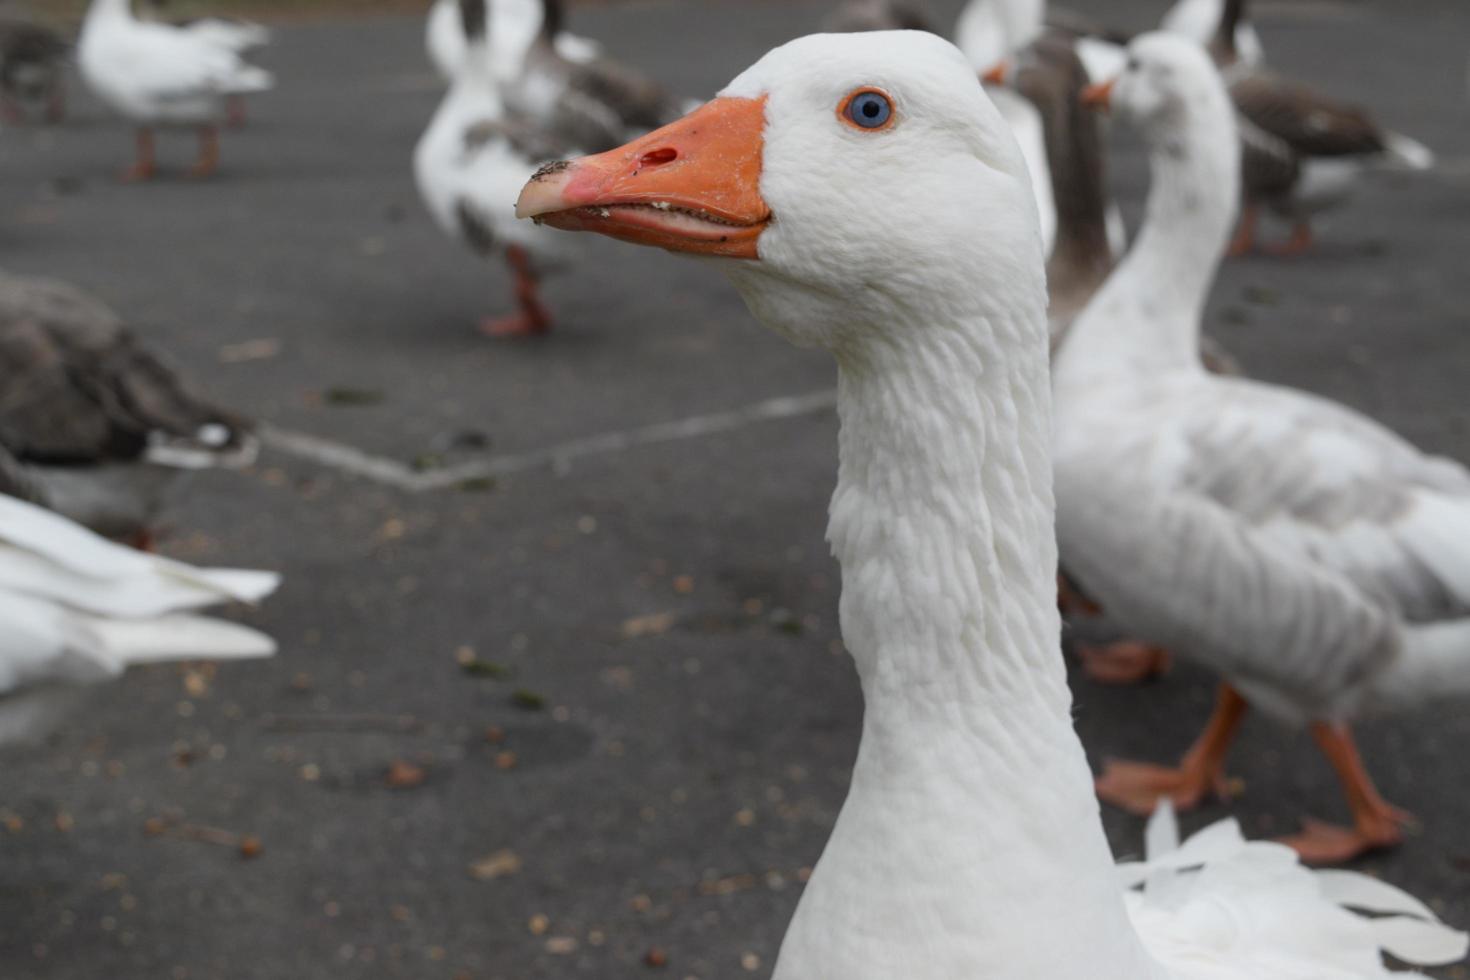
x=1310, y=123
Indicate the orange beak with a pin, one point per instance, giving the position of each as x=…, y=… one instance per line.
x=693, y=186
x=997, y=73
x=1099, y=96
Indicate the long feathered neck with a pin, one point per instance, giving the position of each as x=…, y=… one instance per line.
x=1074, y=150
x=103, y=10
x=971, y=828
x=1146, y=317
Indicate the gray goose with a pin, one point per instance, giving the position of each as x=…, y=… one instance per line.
x=879, y=15
x=1301, y=152
x=595, y=104
x=93, y=424
x=32, y=67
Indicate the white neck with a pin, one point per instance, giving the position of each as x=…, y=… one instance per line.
x=1146, y=318
x=970, y=840
x=110, y=10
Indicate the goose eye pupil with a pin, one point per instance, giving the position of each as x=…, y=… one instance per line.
x=869, y=110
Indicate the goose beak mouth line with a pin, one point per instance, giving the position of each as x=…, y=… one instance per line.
x=692, y=186
x=1099, y=96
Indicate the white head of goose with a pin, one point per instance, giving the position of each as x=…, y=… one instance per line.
x=865, y=196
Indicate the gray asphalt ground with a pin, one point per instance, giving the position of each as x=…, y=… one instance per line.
x=658, y=785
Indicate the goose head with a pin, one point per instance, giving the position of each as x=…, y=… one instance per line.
x=847, y=183
x=1165, y=84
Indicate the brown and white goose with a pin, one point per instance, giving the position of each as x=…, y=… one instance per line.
x=97, y=425
x=1301, y=151
x=33, y=61
x=596, y=104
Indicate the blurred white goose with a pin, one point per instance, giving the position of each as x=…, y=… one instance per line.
x=444, y=37
x=239, y=36
x=1316, y=560
x=160, y=75
x=470, y=165
x=76, y=609
x=869, y=199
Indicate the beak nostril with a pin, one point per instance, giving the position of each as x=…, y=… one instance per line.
x=657, y=158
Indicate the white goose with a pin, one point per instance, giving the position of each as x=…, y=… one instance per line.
x=444, y=36
x=470, y=165
x=160, y=75
x=869, y=199
x=76, y=609
x=1316, y=560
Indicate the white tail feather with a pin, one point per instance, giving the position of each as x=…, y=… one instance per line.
x=178, y=637
x=1408, y=153
x=1439, y=535
x=1435, y=663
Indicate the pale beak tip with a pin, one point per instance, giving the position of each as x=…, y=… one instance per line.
x=543, y=193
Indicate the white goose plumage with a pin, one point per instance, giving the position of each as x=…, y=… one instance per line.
x=969, y=845
x=77, y=609
x=1315, y=559
x=157, y=74
x=444, y=36
x=470, y=165
x=1199, y=19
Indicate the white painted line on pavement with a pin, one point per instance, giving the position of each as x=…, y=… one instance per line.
x=381, y=469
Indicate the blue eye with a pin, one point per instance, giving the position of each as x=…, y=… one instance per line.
x=869, y=109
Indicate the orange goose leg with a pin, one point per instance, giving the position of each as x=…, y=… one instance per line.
x=208, y=161
x=1244, y=241
x=1300, y=241
x=1137, y=787
x=1126, y=662
x=1376, y=822
x=532, y=319
x=144, y=166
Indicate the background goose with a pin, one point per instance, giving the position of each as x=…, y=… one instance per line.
x=33, y=59
x=1302, y=152
x=445, y=38
x=590, y=104
x=76, y=609
x=1199, y=20
x=970, y=830
x=1314, y=559
x=880, y=15
x=161, y=75
x=99, y=424
x=471, y=163
x=239, y=36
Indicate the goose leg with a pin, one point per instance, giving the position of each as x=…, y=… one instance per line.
x=1244, y=241
x=1376, y=822
x=235, y=116
x=1127, y=662
x=144, y=166
x=56, y=104
x=533, y=318
x=1300, y=241
x=1137, y=787
x=208, y=161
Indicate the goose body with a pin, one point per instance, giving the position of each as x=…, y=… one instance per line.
x=880, y=15
x=1316, y=560
x=33, y=60
x=840, y=182
x=156, y=74
x=76, y=610
x=100, y=426
x=470, y=165
x=444, y=37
